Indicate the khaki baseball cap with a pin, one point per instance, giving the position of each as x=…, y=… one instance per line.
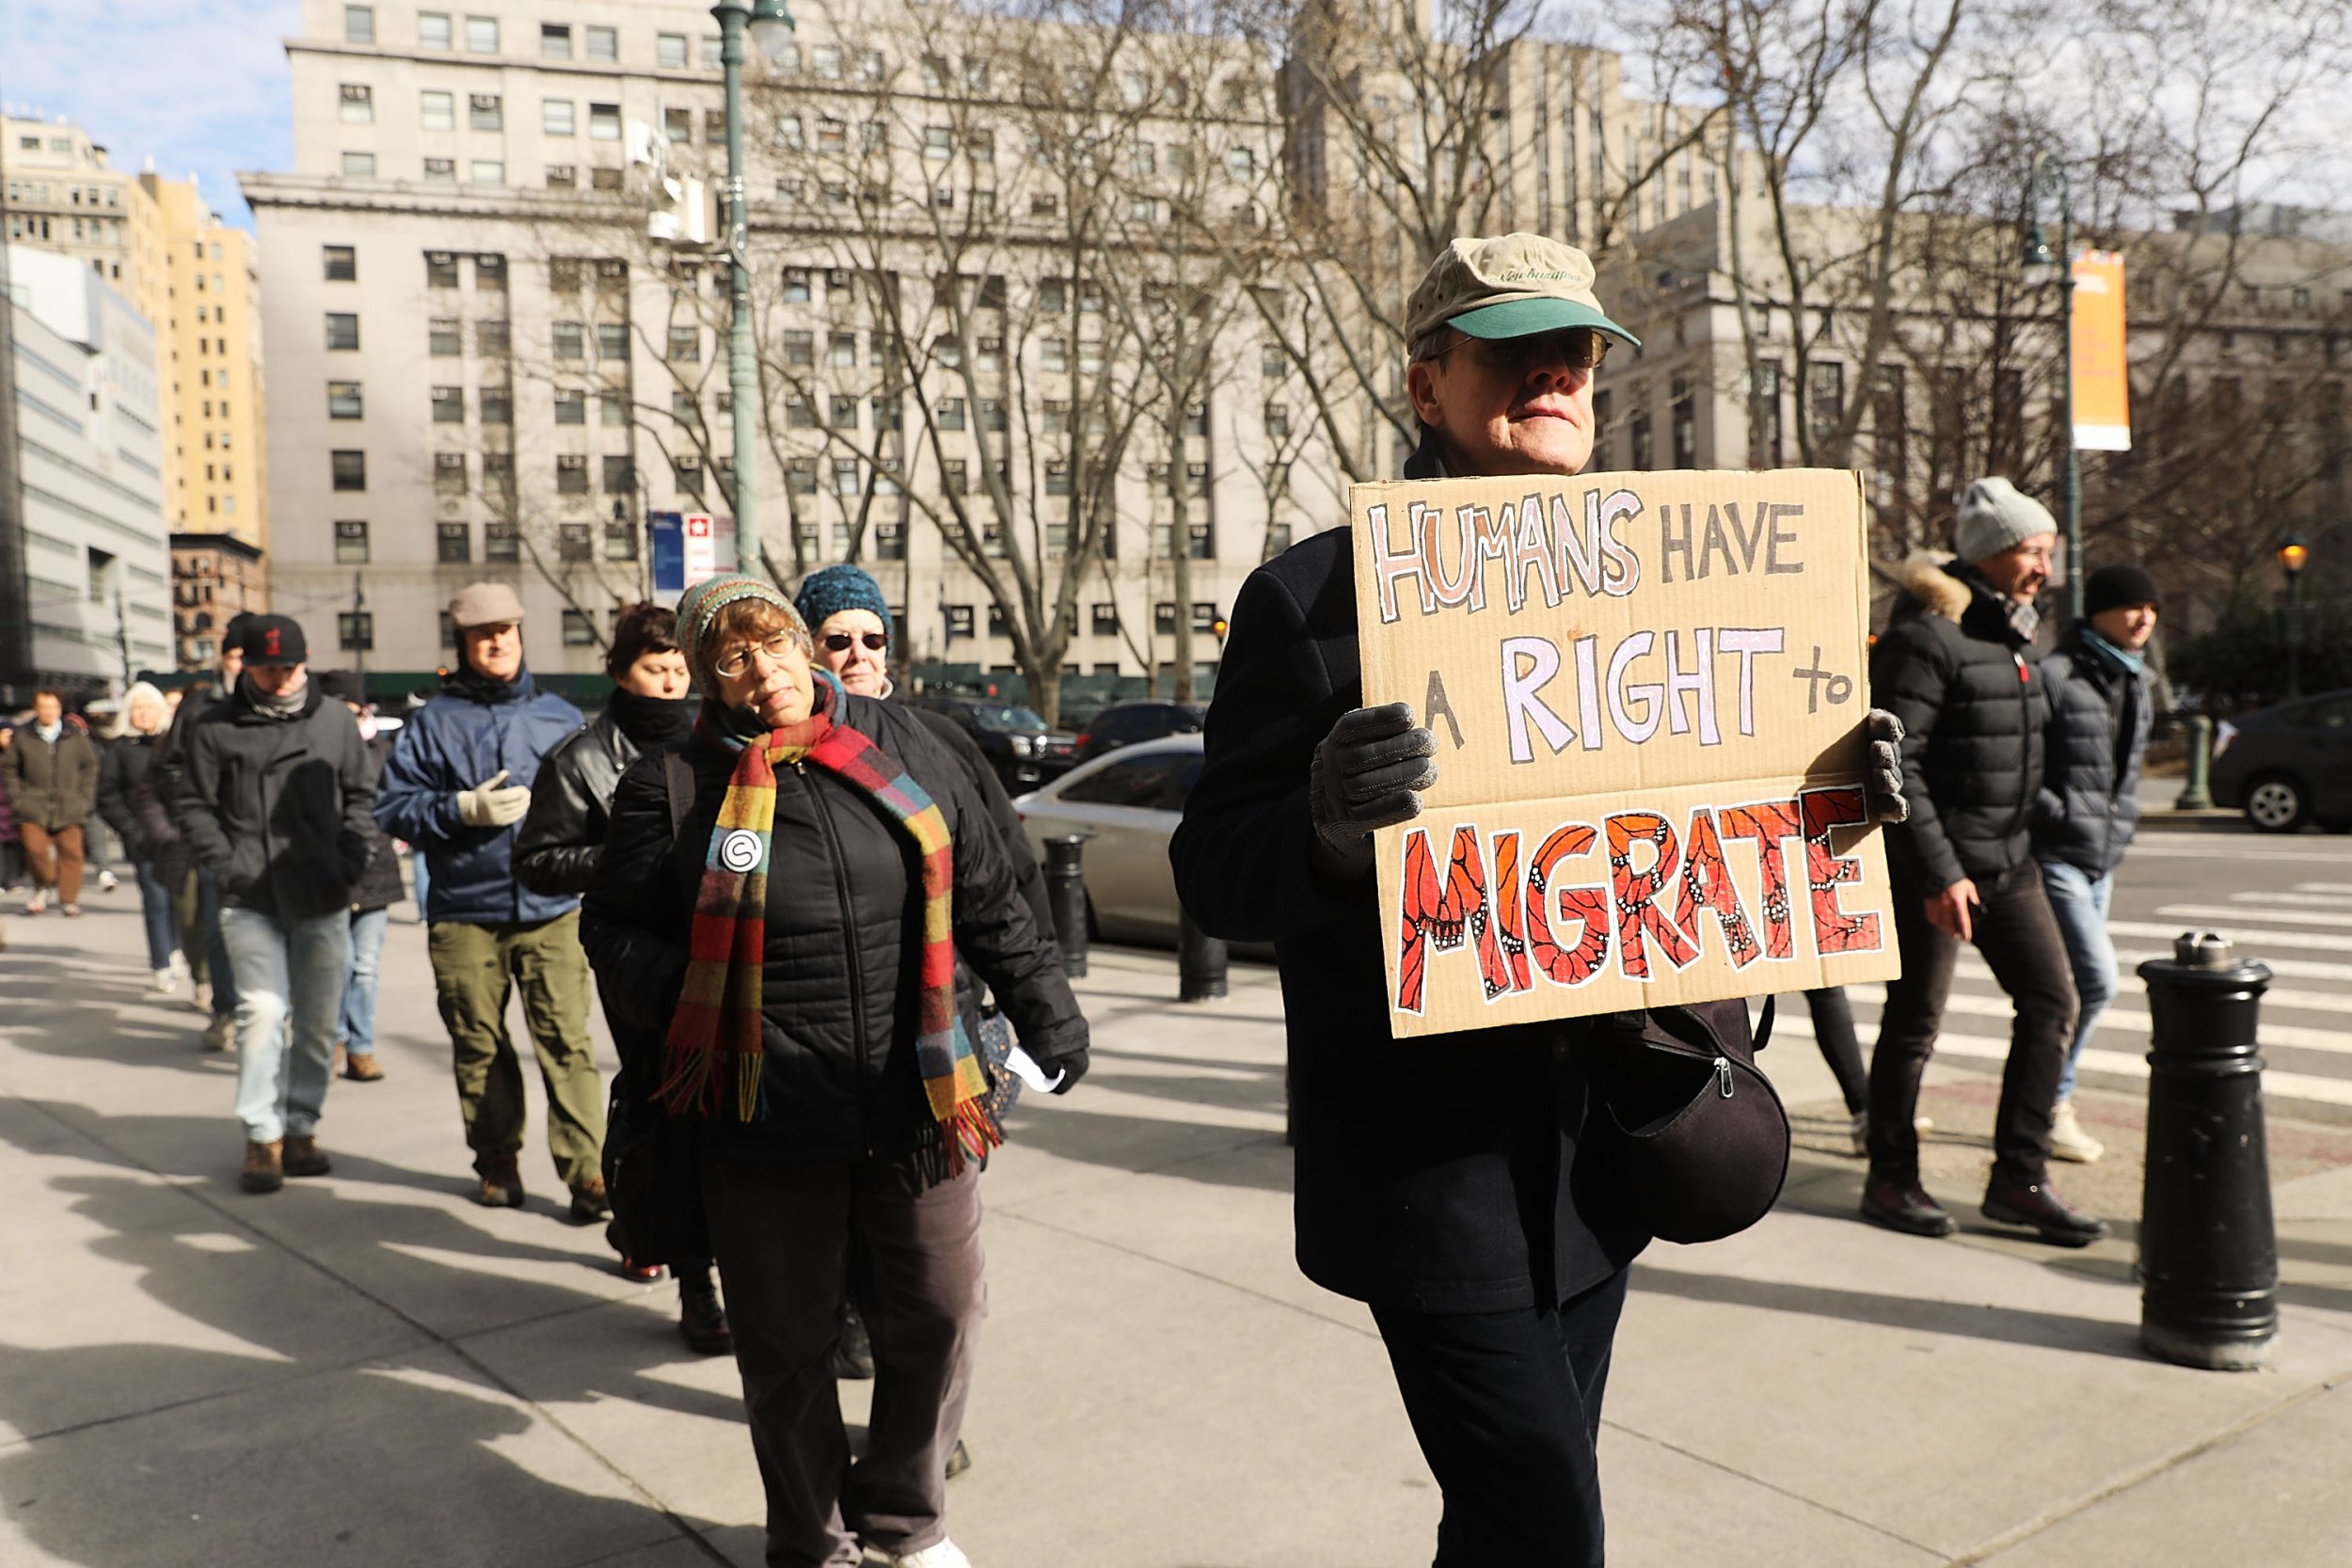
x=486, y=604
x=1508, y=287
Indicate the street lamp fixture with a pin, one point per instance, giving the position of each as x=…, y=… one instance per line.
x=2043, y=267
x=2293, y=555
x=771, y=29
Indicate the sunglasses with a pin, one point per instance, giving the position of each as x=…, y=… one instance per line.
x=1580, y=348
x=842, y=642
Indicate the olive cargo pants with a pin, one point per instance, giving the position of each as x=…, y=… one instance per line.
x=474, y=968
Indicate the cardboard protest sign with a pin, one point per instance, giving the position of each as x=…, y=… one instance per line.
x=1647, y=693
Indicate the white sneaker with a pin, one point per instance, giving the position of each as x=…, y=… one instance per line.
x=35, y=904
x=2068, y=1141
x=945, y=1554
x=1923, y=1125
x=167, y=981
x=106, y=882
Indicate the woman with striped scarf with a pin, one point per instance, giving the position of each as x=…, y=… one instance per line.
x=785, y=959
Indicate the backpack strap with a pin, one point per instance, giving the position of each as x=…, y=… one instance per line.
x=1764, y=1023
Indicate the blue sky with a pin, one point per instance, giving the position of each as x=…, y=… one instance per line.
x=197, y=85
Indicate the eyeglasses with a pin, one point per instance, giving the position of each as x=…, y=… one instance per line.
x=842, y=642
x=1579, y=348
x=738, y=659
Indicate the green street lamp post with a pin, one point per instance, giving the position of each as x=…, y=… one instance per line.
x=770, y=28
x=2293, y=556
x=2048, y=180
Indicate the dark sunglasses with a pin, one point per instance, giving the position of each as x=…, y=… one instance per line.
x=1580, y=348
x=841, y=641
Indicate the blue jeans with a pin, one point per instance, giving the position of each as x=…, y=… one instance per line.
x=155, y=907
x=290, y=991
x=2080, y=901
x=216, y=965
x=366, y=946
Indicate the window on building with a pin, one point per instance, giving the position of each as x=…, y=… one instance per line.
x=571, y=406
x=486, y=111
x=351, y=543
x=342, y=329
x=1644, y=448
x=612, y=340
x=487, y=171
x=350, y=470
x=556, y=117
x=796, y=291
x=358, y=24
x=355, y=628
x=620, y=542
x=1164, y=616
x=604, y=179
x=844, y=411
x=685, y=472
x=481, y=35
x=433, y=30
x=604, y=120
x=575, y=542
x=449, y=473
x=620, y=476
x=453, y=543
x=678, y=125
x=841, y=350
x=958, y=620
x=1825, y=397
x=344, y=401
x=939, y=142
x=950, y=414
x=604, y=44
x=501, y=542
x=440, y=171
x=359, y=103
x=1102, y=619
x=800, y=475
x=669, y=51
x=440, y=269
x=360, y=165
x=715, y=127
x=437, y=111
x=686, y=345
x=571, y=474
x=612, y=408
x=579, y=631
x=341, y=263
x=1684, y=411
x=824, y=62
x=555, y=40
x=497, y=406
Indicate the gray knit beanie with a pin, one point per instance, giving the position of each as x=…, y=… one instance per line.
x=698, y=611
x=1995, y=516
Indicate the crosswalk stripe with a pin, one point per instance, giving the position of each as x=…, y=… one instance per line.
x=2234, y=846
x=2286, y=1036
x=2231, y=911
x=2121, y=1064
x=2128, y=960
x=2297, y=901
x=2302, y=940
x=2323, y=887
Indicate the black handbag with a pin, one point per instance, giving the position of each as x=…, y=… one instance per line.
x=1695, y=1137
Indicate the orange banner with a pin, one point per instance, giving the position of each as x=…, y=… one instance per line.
x=2102, y=379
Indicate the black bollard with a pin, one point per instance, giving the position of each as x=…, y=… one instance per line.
x=2208, y=1250
x=1200, y=963
x=1066, y=891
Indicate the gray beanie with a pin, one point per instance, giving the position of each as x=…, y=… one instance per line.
x=1995, y=516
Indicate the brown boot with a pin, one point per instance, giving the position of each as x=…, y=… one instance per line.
x=360, y=1068
x=305, y=1158
x=502, y=1183
x=589, y=1204
x=265, y=1170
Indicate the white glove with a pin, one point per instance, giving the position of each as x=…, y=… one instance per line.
x=486, y=805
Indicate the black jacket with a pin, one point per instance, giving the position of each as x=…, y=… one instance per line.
x=379, y=886
x=2099, y=717
x=1968, y=689
x=1448, y=1174
x=278, y=808
x=557, y=846
x=844, y=907
x=122, y=769
x=1028, y=875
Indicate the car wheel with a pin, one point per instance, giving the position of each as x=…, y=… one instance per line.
x=2275, y=803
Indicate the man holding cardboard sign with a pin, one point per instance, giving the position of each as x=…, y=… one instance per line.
x=1639, y=787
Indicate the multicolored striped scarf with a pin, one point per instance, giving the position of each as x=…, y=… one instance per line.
x=714, y=1047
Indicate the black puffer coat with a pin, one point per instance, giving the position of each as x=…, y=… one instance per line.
x=122, y=769
x=1969, y=692
x=843, y=928
x=557, y=846
x=2099, y=717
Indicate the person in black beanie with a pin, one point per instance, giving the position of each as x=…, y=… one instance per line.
x=2102, y=708
x=652, y=707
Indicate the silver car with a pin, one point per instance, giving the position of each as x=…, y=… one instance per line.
x=1125, y=804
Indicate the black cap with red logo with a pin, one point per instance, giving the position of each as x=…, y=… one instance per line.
x=274, y=640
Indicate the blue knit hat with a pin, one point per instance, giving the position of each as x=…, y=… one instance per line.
x=835, y=588
x=698, y=611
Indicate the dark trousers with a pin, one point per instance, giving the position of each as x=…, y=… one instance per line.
x=1506, y=1406
x=2019, y=938
x=782, y=1235
x=1832, y=1031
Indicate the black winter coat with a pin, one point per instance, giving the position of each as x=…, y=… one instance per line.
x=844, y=936
x=1448, y=1174
x=379, y=886
x=122, y=769
x=1970, y=694
x=278, y=808
x=557, y=846
x=1028, y=875
x=2088, y=804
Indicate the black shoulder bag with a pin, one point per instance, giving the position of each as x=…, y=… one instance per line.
x=1696, y=1139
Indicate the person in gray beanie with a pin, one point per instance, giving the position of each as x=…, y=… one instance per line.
x=2101, y=709
x=1957, y=666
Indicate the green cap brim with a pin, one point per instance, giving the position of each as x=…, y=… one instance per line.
x=1520, y=318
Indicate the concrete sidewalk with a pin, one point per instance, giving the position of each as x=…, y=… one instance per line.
x=368, y=1370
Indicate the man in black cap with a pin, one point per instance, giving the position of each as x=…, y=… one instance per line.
x=274, y=792
x=2102, y=707
x=207, y=958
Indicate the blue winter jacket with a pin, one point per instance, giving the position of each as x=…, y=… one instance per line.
x=455, y=742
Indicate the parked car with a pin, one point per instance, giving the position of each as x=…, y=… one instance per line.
x=1125, y=805
x=1132, y=723
x=1023, y=748
x=2288, y=765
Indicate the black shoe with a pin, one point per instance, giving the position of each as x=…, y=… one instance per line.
x=853, y=1353
x=702, y=1322
x=2048, y=1215
x=958, y=1460
x=1907, y=1209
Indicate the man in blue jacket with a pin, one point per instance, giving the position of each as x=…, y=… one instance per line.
x=457, y=783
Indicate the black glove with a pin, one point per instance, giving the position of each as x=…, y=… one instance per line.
x=1368, y=773
x=1072, y=1068
x=1883, y=768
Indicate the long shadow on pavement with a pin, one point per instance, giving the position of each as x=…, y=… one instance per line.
x=1974, y=1320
